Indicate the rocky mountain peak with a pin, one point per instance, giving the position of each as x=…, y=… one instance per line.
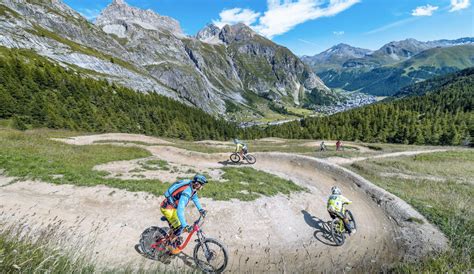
x=119, y=13
x=399, y=50
x=209, y=34
x=237, y=32
x=118, y=2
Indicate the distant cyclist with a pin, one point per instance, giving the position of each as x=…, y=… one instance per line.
x=334, y=206
x=322, y=146
x=240, y=148
x=176, y=199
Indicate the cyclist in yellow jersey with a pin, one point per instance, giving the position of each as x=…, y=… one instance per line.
x=240, y=147
x=335, y=206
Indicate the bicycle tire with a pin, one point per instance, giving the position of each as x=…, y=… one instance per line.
x=351, y=219
x=250, y=159
x=150, y=236
x=337, y=237
x=201, y=263
x=234, y=158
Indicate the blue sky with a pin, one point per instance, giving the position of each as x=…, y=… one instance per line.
x=308, y=27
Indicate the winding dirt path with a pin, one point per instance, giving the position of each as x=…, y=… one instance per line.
x=342, y=161
x=280, y=233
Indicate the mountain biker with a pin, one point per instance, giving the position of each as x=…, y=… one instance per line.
x=240, y=147
x=334, y=207
x=322, y=146
x=176, y=199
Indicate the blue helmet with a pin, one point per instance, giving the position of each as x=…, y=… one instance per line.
x=199, y=178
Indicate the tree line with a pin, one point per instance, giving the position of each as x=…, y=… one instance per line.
x=37, y=92
x=443, y=116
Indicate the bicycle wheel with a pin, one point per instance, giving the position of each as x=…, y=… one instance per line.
x=211, y=256
x=150, y=236
x=235, y=158
x=337, y=236
x=352, y=221
x=250, y=159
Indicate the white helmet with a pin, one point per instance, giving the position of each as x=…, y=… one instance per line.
x=335, y=190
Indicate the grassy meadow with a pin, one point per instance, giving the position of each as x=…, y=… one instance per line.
x=32, y=155
x=441, y=187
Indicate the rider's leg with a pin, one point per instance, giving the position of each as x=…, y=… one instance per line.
x=345, y=220
x=171, y=215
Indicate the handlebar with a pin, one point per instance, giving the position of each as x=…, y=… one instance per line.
x=198, y=221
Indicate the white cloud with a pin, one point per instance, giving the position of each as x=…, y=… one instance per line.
x=392, y=25
x=236, y=15
x=283, y=15
x=89, y=14
x=338, y=33
x=307, y=42
x=424, y=10
x=459, y=5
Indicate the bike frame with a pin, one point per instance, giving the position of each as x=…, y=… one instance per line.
x=196, y=229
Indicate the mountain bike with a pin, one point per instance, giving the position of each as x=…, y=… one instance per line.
x=235, y=158
x=338, y=230
x=209, y=254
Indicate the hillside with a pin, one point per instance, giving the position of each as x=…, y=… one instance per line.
x=36, y=92
x=238, y=71
x=396, y=65
x=442, y=116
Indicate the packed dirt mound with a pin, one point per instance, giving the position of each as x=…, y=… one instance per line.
x=280, y=233
x=316, y=144
x=90, y=139
x=342, y=161
x=272, y=140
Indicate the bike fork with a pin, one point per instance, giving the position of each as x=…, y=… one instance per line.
x=204, y=245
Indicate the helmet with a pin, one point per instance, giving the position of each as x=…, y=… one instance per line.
x=199, y=178
x=236, y=141
x=335, y=190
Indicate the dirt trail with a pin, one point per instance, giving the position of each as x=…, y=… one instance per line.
x=281, y=233
x=342, y=161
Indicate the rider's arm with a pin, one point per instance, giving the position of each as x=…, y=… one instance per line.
x=183, y=201
x=345, y=200
x=196, y=202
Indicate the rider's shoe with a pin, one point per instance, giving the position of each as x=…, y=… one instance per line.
x=175, y=251
x=353, y=232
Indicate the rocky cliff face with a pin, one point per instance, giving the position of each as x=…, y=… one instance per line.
x=334, y=57
x=146, y=51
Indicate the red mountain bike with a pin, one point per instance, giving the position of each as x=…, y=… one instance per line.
x=209, y=254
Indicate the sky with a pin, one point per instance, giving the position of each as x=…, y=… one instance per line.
x=308, y=27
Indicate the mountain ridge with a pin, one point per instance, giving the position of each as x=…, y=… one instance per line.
x=397, y=64
x=146, y=51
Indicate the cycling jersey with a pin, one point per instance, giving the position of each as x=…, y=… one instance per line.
x=335, y=203
x=239, y=147
x=176, y=199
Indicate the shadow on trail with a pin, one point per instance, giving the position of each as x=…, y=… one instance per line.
x=323, y=231
x=230, y=163
x=187, y=260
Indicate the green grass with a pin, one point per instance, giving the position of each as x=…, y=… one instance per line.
x=21, y=255
x=155, y=165
x=447, y=204
x=32, y=155
x=7, y=12
x=248, y=184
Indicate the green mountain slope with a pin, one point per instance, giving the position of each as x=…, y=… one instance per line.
x=443, y=116
x=36, y=92
x=389, y=79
